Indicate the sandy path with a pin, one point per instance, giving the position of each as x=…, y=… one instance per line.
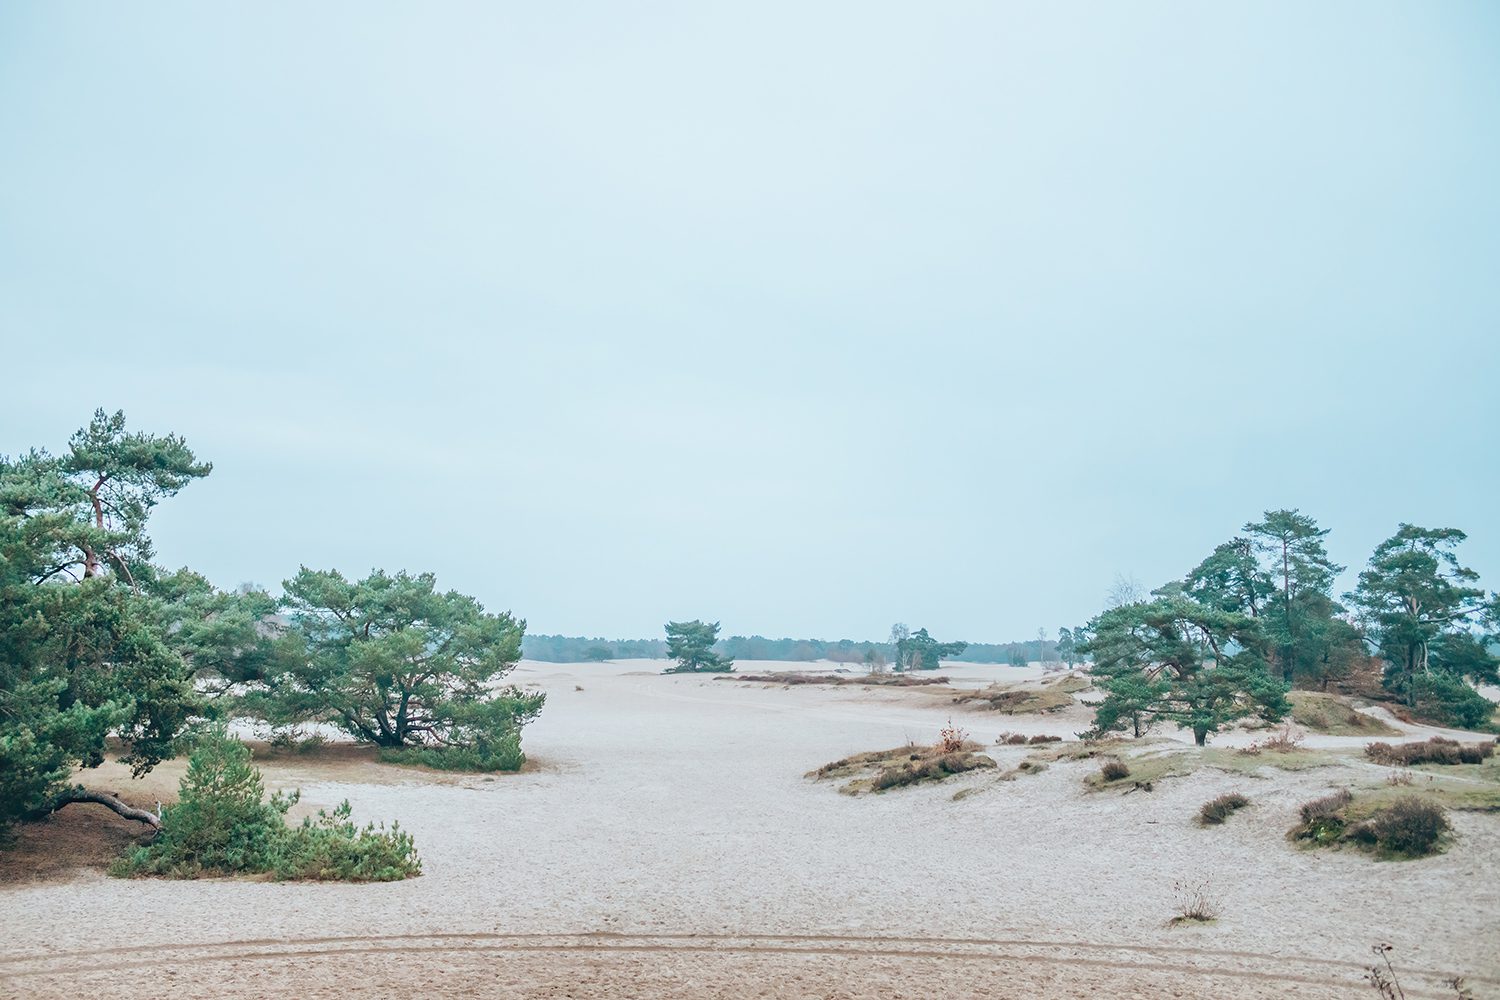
x=667, y=845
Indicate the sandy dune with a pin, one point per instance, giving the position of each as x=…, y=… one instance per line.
x=666, y=844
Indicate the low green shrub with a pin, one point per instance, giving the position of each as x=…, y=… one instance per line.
x=223, y=825
x=1216, y=811
x=1445, y=699
x=496, y=755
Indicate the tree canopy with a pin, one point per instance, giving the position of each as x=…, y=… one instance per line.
x=95, y=642
x=691, y=645
x=393, y=661
x=1430, y=622
x=920, y=651
x=1178, y=660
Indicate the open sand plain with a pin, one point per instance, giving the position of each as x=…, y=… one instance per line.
x=665, y=843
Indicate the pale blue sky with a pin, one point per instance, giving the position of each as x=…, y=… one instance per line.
x=806, y=317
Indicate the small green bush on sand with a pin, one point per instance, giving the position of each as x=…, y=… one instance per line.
x=223, y=825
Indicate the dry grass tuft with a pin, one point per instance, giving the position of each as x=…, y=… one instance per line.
x=1197, y=903
x=1216, y=811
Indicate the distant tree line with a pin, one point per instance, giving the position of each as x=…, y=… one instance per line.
x=582, y=649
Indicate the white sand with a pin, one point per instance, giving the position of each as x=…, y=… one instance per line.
x=667, y=844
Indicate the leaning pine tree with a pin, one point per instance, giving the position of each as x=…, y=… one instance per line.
x=394, y=662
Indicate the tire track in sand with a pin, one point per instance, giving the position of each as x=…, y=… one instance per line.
x=1309, y=970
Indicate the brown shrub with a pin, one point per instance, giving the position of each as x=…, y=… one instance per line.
x=1326, y=807
x=951, y=739
x=929, y=767
x=1216, y=811
x=1114, y=770
x=1409, y=827
x=1438, y=750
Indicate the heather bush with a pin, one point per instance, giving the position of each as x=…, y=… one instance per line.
x=1438, y=750
x=1328, y=805
x=1216, y=811
x=1410, y=827
x=1114, y=770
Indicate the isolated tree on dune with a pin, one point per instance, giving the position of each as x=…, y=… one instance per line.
x=691, y=645
x=920, y=651
x=393, y=661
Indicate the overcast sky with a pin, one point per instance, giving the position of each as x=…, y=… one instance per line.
x=804, y=317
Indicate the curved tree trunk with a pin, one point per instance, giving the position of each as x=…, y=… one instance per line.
x=80, y=794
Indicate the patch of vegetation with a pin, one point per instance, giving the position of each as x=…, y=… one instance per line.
x=223, y=825
x=1142, y=773
x=928, y=768
x=1392, y=825
x=1016, y=701
x=1216, y=811
x=1409, y=827
x=1248, y=761
x=835, y=680
x=1197, y=903
x=1068, y=684
x=881, y=770
x=1028, y=766
x=1330, y=714
x=1080, y=750
x=502, y=754
x=1437, y=750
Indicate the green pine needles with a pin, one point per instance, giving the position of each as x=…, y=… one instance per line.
x=222, y=824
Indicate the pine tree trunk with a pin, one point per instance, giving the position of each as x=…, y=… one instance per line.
x=80, y=794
